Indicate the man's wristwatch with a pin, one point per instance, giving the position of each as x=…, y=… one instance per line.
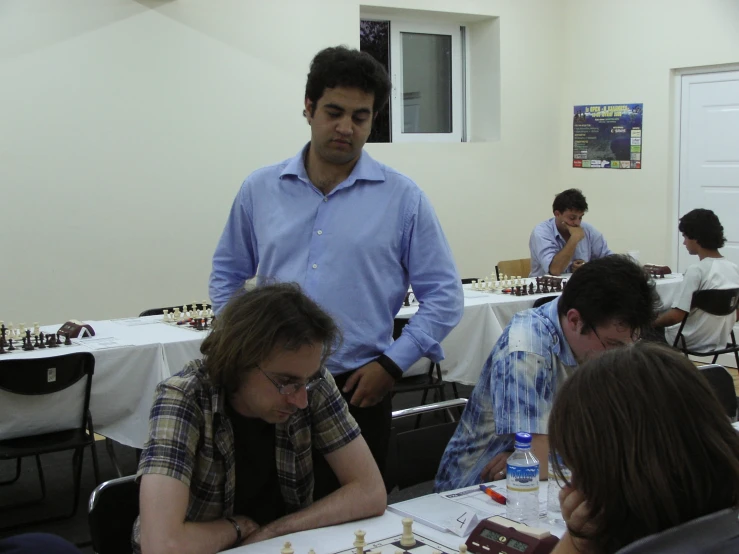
x=237, y=542
x=390, y=366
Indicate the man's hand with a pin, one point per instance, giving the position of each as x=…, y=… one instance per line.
x=577, y=264
x=372, y=383
x=495, y=470
x=577, y=233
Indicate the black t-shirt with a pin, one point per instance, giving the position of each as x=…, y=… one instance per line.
x=258, y=493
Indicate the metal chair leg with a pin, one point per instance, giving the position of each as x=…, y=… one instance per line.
x=113, y=457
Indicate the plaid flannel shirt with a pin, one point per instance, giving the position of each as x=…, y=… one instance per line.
x=514, y=394
x=191, y=439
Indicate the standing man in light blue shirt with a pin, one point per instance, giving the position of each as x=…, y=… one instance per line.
x=605, y=305
x=354, y=233
x=564, y=243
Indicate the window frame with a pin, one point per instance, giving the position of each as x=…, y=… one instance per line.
x=458, y=93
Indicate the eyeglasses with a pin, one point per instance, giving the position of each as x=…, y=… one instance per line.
x=291, y=388
x=634, y=337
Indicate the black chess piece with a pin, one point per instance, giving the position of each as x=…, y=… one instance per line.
x=559, y=286
x=27, y=344
x=3, y=331
x=41, y=340
x=524, y=291
x=531, y=288
x=52, y=341
x=2, y=350
x=518, y=290
x=545, y=289
x=10, y=345
x=67, y=340
x=205, y=324
x=35, y=341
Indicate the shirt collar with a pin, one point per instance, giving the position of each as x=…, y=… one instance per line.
x=562, y=349
x=556, y=232
x=367, y=169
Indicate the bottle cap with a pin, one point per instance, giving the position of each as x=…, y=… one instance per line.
x=523, y=440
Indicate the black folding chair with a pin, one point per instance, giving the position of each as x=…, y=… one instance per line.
x=57, y=385
x=543, y=300
x=112, y=511
x=716, y=533
x=723, y=385
x=718, y=303
x=414, y=456
x=432, y=380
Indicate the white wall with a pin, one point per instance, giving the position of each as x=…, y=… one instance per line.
x=627, y=52
x=128, y=126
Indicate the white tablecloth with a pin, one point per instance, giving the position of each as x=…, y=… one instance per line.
x=148, y=351
x=485, y=316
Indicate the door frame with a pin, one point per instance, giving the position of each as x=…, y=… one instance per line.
x=677, y=76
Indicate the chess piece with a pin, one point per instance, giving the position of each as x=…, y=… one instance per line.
x=462, y=549
x=10, y=345
x=35, y=341
x=311, y=551
x=407, y=539
x=21, y=330
x=27, y=344
x=36, y=328
x=531, y=288
x=2, y=349
x=524, y=291
x=41, y=340
x=165, y=313
x=559, y=286
x=545, y=289
x=359, y=541
x=287, y=548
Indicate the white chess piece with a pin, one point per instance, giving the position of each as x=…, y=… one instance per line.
x=287, y=549
x=407, y=539
x=166, y=315
x=311, y=551
x=36, y=328
x=21, y=329
x=177, y=315
x=359, y=541
x=462, y=549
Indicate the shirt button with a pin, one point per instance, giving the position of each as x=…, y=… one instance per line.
x=319, y=232
x=315, y=266
x=325, y=198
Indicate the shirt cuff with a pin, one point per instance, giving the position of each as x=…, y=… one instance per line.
x=404, y=352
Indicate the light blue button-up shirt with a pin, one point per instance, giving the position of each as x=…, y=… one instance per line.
x=546, y=241
x=515, y=394
x=354, y=251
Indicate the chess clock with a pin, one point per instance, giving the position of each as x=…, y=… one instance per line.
x=76, y=329
x=498, y=535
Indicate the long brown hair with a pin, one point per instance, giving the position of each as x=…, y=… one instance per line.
x=647, y=441
x=255, y=323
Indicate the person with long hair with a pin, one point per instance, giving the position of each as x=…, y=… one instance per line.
x=648, y=444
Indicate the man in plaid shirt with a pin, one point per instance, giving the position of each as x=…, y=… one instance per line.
x=231, y=437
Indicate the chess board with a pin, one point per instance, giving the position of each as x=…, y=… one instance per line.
x=390, y=545
x=190, y=325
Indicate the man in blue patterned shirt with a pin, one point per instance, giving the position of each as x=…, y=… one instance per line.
x=605, y=305
x=233, y=437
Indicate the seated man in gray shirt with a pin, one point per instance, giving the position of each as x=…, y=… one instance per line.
x=564, y=242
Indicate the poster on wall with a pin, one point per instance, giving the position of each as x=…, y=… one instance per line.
x=607, y=136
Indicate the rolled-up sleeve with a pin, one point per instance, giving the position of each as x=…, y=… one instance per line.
x=332, y=424
x=522, y=393
x=436, y=285
x=174, y=433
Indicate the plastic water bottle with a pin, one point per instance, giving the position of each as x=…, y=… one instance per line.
x=554, y=511
x=523, y=482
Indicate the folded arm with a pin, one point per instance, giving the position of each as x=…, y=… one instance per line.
x=164, y=502
x=361, y=495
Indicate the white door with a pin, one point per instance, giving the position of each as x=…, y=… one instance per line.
x=709, y=160
x=709, y=155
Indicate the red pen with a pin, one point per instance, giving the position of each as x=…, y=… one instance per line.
x=499, y=498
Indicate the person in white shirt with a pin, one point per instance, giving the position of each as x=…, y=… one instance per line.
x=703, y=235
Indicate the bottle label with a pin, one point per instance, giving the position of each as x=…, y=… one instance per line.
x=522, y=478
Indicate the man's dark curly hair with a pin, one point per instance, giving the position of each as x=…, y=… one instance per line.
x=340, y=66
x=703, y=226
x=570, y=199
